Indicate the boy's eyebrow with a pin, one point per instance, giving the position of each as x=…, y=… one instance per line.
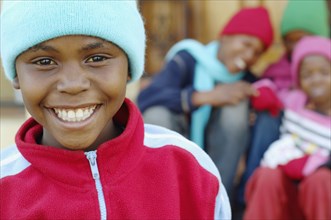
x=93, y=46
x=42, y=47
x=90, y=46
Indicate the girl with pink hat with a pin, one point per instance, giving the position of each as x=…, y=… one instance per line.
x=293, y=181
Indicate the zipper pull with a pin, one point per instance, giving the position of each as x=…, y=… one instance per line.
x=92, y=158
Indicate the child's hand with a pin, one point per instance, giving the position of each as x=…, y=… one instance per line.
x=267, y=100
x=231, y=94
x=294, y=168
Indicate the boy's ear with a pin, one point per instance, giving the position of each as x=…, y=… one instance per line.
x=16, y=83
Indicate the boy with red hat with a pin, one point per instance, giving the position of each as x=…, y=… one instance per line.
x=203, y=90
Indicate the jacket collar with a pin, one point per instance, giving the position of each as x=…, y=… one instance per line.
x=115, y=158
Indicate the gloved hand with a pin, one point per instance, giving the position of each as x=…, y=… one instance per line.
x=267, y=100
x=294, y=168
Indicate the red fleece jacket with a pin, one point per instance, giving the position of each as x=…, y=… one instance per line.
x=144, y=174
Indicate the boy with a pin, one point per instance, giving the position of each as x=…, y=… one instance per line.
x=291, y=183
x=203, y=90
x=85, y=153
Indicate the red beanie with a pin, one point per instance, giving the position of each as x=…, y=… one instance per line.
x=251, y=21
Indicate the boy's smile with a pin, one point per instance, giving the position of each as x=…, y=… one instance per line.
x=239, y=52
x=74, y=115
x=73, y=86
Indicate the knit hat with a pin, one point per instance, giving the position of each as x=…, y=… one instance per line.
x=27, y=23
x=251, y=21
x=310, y=16
x=308, y=46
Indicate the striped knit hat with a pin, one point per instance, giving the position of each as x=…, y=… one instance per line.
x=27, y=23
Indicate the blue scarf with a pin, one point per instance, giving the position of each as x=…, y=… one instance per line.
x=208, y=71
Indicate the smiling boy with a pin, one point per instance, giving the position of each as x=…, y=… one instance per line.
x=75, y=109
x=85, y=153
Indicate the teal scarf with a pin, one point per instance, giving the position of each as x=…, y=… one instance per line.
x=208, y=71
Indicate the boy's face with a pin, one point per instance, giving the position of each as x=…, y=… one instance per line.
x=292, y=38
x=239, y=52
x=315, y=78
x=73, y=86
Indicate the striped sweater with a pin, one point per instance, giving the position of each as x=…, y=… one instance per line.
x=303, y=132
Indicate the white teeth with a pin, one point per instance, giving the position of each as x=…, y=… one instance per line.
x=71, y=114
x=79, y=113
x=74, y=115
x=240, y=63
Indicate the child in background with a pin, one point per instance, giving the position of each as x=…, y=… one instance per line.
x=85, y=153
x=300, y=19
x=292, y=182
x=203, y=90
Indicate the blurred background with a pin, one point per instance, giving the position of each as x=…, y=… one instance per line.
x=167, y=21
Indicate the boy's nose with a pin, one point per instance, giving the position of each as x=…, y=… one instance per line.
x=73, y=80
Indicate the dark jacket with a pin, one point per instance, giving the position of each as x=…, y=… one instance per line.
x=172, y=87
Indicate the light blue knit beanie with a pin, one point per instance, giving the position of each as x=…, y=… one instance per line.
x=27, y=23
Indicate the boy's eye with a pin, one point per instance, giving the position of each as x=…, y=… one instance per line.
x=96, y=59
x=44, y=61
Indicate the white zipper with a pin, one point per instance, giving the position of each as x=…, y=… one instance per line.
x=92, y=158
